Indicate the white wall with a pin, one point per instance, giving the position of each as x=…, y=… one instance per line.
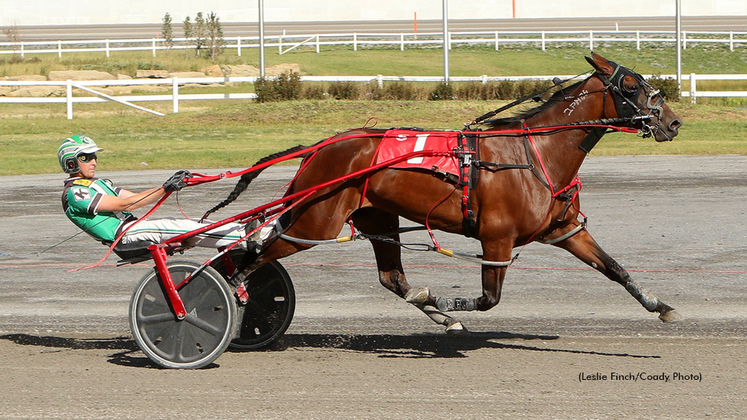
x=54, y=12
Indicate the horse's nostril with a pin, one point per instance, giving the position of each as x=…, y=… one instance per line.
x=675, y=125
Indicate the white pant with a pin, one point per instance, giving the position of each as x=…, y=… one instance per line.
x=159, y=230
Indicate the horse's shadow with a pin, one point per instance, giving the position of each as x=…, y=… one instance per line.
x=383, y=345
x=432, y=345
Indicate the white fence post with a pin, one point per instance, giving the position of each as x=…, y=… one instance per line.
x=684, y=40
x=238, y=46
x=59, y=49
x=401, y=42
x=693, y=89
x=731, y=41
x=317, y=43
x=175, y=94
x=22, y=52
x=638, y=40
x=355, y=42
x=107, y=48
x=496, y=40
x=154, y=47
x=591, y=40
x=380, y=79
x=543, y=40
x=69, y=97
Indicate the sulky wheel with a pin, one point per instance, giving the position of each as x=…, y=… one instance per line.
x=198, y=339
x=269, y=312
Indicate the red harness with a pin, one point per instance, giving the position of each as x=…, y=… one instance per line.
x=455, y=164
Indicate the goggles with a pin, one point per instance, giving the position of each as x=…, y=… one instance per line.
x=86, y=157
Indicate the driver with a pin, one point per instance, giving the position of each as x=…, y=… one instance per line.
x=103, y=211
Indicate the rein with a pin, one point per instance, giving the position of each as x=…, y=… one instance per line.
x=536, y=96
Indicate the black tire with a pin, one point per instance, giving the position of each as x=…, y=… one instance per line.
x=269, y=312
x=198, y=339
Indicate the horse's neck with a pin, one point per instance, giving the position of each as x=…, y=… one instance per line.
x=560, y=152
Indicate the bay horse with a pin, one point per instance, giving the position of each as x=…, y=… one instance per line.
x=527, y=190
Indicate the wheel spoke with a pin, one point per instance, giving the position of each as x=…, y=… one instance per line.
x=155, y=319
x=203, y=325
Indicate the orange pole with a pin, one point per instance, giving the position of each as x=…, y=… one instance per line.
x=513, y=6
x=416, y=22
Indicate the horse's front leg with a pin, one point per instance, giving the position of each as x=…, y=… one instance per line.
x=498, y=252
x=585, y=248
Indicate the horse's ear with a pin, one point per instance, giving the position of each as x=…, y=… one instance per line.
x=600, y=64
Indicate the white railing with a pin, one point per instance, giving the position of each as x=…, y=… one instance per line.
x=694, y=93
x=285, y=43
x=175, y=97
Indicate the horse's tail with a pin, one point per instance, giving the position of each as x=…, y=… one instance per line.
x=248, y=177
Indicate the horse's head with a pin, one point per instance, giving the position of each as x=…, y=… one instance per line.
x=636, y=100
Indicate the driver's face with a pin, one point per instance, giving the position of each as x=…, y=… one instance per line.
x=88, y=169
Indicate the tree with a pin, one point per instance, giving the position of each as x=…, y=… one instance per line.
x=166, y=31
x=200, y=32
x=13, y=35
x=214, y=36
x=188, y=30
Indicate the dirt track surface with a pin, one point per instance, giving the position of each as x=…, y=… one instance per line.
x=564, y=343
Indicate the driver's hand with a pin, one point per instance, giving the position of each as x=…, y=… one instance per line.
x=177, y=181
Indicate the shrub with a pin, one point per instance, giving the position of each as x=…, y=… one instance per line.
x=527, y=87
x=315, y=91
x=472, y=91
x=373, y=92
x=400, y=91
x=285, y=87
x=343, y=90
x=442, y=92
x=505, y=90
x=669, y=88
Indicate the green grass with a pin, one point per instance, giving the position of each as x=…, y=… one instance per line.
x=226, y=134
x=509, y=60
x=237, y=133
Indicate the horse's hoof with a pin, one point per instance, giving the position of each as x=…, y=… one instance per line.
x=671, y=316
x=417, y=296
x=456, y=328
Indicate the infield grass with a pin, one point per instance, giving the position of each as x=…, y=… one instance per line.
x=234, y=135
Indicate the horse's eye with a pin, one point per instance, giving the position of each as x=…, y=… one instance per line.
x=630, y=89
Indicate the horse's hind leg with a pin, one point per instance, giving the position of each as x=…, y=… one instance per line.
x=585, y=248
x=388, y=255
x=389, y=263
x=498, y=251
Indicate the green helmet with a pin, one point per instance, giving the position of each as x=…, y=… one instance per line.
x=71, y=148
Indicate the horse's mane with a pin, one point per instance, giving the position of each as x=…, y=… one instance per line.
x=556, y=97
